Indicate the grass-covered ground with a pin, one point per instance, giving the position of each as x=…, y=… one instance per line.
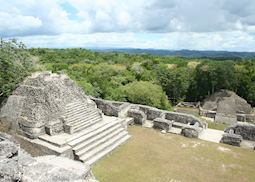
x=154, y=157
x=217, y=126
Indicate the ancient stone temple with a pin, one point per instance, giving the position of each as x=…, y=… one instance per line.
x=52, y=112
x=227, y=107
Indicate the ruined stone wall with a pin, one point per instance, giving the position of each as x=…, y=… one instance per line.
x=109, y=108
x=246, y=130
x=151, y=113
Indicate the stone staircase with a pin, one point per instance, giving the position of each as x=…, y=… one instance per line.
x=98, y=140
x=79, y=116
x=89, y=135
x=92, y=138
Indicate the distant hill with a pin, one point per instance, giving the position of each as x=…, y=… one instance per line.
x=182, y=53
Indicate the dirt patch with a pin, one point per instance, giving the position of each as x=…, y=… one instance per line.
x=223, y=149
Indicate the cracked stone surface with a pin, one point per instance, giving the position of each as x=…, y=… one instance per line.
x=18, y=165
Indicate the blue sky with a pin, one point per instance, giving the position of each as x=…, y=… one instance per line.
x=159, y=24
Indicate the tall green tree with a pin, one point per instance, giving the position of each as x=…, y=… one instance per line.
x=175, y=82
x=15, y=64
x=246, y=81
x=212, y=76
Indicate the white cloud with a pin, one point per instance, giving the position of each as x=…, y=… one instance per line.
x=15, y=27
x=138, y=16
x=192, y=24
x=231, y=41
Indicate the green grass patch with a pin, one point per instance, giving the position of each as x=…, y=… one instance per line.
x=217, y=126
x=155, y=157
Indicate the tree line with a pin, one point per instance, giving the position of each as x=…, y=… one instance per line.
x=159, y=81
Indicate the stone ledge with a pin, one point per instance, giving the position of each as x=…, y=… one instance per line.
x=139, y=116
x=163, y=124
x=231, y=139
x=191, y=131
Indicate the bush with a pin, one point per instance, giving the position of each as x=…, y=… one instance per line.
x=146, y=93
x=15, y=65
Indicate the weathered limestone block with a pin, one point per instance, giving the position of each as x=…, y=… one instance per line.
x=68, y=128
x=191, y=131
x=184, y=118
x=30, y=124
x=10, y=170
x=31, y=129
x=54, y=127
x=250, y=118
x=49, y=172
x=17, y=165
x=107, y=107
x=231, y=139
x=14, y=103
x=9, y=167
x=32, y=132
x=123, y=110
x=153, y=114
x=139, y=116
x=162, y=124
x=246, y=130
x=8, y=149
x=241, y=117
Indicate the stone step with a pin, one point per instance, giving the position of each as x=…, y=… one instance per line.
x=78, y=110
x=92, y=160
x=82, y=127
x=71, y=130
x=93, y=139
x=80, y=124
x=89, y=134
x=74, y=104
x=100, y=142
x=81, y=116
x=81, y=105
x=74, y=111
x=104, y=149
x=82, y=120
x=77, y=104
x=87, y=131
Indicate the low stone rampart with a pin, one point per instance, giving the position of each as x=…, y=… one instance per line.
x=246, y=130
x=113, y=108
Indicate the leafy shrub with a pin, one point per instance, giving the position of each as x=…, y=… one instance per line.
x=147, y=93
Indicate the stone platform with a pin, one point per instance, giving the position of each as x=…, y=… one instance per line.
x=88, y=145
